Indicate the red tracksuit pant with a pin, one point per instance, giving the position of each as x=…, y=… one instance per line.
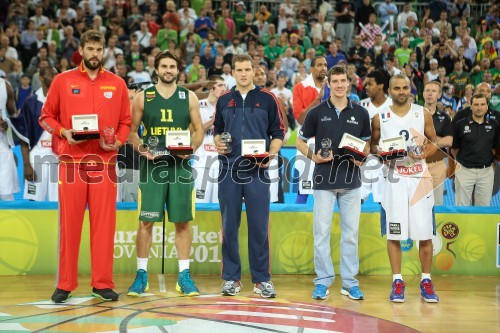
x=80, y=186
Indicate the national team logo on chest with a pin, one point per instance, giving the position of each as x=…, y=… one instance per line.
x=352, y=121
x=467, y=129
x=75, y=89
x=182, y=95
x=108, y=94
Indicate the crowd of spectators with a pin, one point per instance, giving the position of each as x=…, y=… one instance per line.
x=444, y=43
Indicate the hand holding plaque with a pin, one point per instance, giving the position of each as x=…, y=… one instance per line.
x=255, y=150
x=179, y=142
x=85, y=127
x=351, y=145
x=392, y=148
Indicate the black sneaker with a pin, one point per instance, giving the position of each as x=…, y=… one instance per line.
x=60, y=296
x=105, y=294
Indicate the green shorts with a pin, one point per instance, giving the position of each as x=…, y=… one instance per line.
x=166, y=183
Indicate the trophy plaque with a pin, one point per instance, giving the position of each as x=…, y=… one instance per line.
x=254, y=150
x=392, y=148
x=179, y=142
x=86, y=127
x=351, y=145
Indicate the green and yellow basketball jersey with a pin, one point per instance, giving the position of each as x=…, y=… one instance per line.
x=162, y=115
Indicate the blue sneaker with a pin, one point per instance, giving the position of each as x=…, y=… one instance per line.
x=427, y=291
x=320, y=291
x=353, y=292
x=186, y=285
x=398, y=291
x=140, y=284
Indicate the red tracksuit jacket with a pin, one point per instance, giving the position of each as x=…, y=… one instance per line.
x=73, y=93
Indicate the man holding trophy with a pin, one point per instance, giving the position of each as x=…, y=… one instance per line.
x=341, y=129
x=248, y=133
x=88, y=108
x=167, y=111
x=404, y=132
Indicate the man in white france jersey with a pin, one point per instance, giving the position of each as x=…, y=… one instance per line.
x=205, y=160
x=40, y=162
x=376, y=85
x=408, y=193
x=8, y=173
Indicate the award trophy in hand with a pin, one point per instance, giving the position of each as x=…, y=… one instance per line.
x=225, y=137
x=109, y=135
x=326, y=147
x=152, y=148
x=417, y=151
x=153, y=142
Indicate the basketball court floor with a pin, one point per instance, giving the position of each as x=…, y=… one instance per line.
x=468, y=304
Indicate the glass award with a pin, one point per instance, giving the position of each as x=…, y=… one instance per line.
x=153, y=147
x=226, y=138
x=109, y=135
x=326, y=147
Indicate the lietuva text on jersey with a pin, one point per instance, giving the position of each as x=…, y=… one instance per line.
x=162, y=130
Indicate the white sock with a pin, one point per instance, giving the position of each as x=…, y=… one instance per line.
x=142, y=263
x=426, y=276
x=397, y=276
x=183, y=264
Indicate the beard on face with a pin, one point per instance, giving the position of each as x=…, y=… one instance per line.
x=91, y=66
x=162, y=79
x=399, y=101
x=320, y=76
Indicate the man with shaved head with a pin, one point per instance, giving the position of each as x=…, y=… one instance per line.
x=408, y=198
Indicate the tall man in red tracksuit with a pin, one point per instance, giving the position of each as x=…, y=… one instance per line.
x=87, y=173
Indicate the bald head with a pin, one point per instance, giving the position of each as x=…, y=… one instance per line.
x=483, y=88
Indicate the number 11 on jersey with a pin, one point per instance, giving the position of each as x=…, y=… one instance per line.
x=166, y=119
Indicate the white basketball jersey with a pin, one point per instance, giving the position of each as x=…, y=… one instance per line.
x=44, y=145
x=372, y=109
x=207, y=148
x=6, y=140
x=411, y=127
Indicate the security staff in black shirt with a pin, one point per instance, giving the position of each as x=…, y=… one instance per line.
x=475, y=140
x=482, y=88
